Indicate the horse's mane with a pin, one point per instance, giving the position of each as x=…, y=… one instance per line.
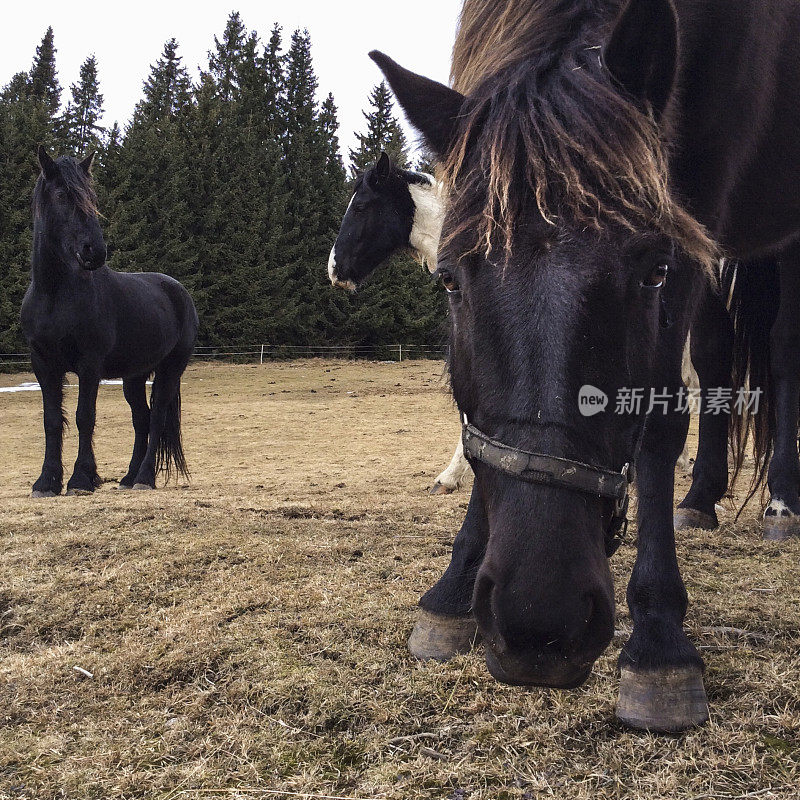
x=543, y=116
x=76, y=183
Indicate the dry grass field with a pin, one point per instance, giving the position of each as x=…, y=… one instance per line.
x=245, y=636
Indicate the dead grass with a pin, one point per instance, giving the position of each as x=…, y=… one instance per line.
x=247, y=634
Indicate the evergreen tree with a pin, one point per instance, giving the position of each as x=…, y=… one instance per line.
x=168, y=89
x=146, y=182
x=225, y=59
x=383, y=134
x=81, y=129
x=28, y=106
x=44, y=86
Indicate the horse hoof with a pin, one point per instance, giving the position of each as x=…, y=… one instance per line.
x=440, y=489
x=665, y=701
x=79, y=492
x=38, y=495
x=437, y=637
x=779, y=529
x=688, y=518
x=124, y=487
x=142, y=487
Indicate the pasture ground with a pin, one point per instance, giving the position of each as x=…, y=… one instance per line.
x=246, y=634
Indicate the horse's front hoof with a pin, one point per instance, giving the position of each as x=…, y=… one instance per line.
x=690, y=518
x=125, y=487
x=437, y=637
x=440, y=489
x=664, y=701
x=142, y=487
x=79, y=492
x=37, y=494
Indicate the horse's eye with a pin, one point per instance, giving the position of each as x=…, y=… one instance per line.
x=359, y=207
x=657, y=278
x=448, y=281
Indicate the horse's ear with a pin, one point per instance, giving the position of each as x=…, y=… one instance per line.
x=49, y=169
x=384, y=167
x=642, y=53
x=432, y=108
x=86, y=164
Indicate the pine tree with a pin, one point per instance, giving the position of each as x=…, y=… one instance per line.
x=44, y=85
x=272, y=65
x=383, y=134
x=28, y=105
x=225, y=59
x=148, y=179
x=168, y=89
x=81, y=129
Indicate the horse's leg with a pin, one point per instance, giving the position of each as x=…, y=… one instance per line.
x=692, y=382
x=445, y=626
x=50, y=482
x=135, y=391
x=84, y=478
x=452, y=478
x=164, y=432
x=712, y=355
x=661, y=682
x=782, y=517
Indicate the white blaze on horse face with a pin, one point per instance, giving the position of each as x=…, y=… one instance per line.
x=332, y=265
x=349, y=285
x=426, y=230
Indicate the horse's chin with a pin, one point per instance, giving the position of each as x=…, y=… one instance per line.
x=348, y=285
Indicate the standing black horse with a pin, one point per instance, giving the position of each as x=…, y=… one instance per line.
x=80, y=316
x=600, y=154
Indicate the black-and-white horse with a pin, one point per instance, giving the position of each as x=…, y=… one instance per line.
x=393, y=209
x=80, y=316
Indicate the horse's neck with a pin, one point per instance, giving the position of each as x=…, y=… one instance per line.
x=47, y=268
x=426, y=230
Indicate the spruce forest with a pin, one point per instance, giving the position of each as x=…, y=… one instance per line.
x=234, y=184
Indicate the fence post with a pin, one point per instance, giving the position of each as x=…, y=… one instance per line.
x=400, y=347
x=262, y=355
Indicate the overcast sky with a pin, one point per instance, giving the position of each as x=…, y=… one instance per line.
x=128, y=37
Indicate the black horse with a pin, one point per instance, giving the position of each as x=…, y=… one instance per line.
x=80, y=316
x=600, y=155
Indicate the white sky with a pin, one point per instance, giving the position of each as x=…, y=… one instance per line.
x=127, y=37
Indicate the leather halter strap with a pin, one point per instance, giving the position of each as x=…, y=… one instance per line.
x=546, y=470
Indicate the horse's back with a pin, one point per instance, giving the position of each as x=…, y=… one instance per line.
x=154, y=319
x=738, y=160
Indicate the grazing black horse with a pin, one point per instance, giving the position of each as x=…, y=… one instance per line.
x=391, y=209
x=80, y=316
x=600, y=154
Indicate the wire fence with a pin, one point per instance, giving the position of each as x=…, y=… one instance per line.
x=261, y=353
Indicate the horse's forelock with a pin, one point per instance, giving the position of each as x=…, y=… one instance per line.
x=79, y=185
x=548, y=122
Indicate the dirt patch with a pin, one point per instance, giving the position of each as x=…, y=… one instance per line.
x=246, y=633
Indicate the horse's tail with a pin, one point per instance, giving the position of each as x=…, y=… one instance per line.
x=753, y=293
x=169, y=456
